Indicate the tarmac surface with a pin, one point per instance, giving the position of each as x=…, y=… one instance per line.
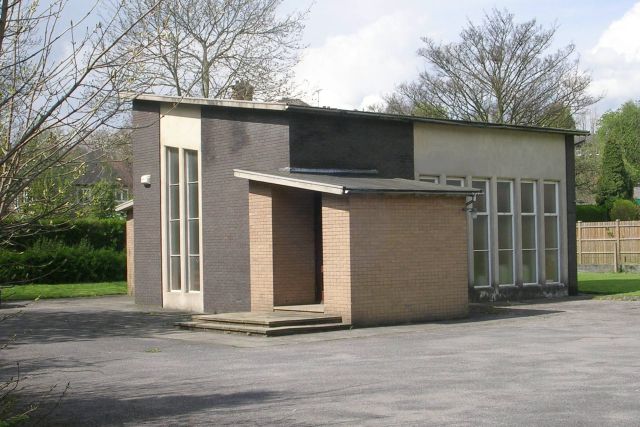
x=570, y=362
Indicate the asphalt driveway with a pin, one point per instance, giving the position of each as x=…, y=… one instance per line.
x=571, y=362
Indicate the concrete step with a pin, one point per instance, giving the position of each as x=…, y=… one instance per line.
x=269, y=331
x=269, y=319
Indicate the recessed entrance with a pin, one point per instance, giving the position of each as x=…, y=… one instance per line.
x=317, y=235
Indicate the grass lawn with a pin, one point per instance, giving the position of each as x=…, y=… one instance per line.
x=610, y=285
x=31, y=292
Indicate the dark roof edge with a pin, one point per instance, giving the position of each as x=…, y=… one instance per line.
x=279, y=106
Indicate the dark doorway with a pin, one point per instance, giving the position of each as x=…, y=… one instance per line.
x=317, y=231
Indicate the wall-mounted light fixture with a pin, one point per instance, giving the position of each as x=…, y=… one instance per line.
x=146, y=180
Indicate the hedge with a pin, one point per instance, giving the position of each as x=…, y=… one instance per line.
x=53, y=262
x=591, y=213
x=97, y=233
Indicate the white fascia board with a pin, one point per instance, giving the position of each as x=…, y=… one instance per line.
x=289, y=182
x=255, y=105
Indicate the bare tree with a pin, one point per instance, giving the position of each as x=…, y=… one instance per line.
x=205, y=47
x=500, y=71
x=58, y=85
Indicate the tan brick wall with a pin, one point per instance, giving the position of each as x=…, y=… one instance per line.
x=261, y=246
x=293, y=246
x=336, y=252
x=130, y=258
x=408, y=258
x=394, y=259
x=281, y=246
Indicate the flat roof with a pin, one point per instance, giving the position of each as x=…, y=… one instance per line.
x=283, y=106
x=344, y=185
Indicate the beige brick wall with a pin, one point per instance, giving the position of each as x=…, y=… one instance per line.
x=261, y=246
x=130, y=258
x=281, y=246
x=336, y=252
x=394, y=259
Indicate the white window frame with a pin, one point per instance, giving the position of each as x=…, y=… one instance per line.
x=459, y=182
x=429, y=178
x=513, y=240
x=533, y=215
x=555, y=214
x=487, y=213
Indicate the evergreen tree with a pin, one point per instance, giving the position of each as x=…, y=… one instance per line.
x=614, y=182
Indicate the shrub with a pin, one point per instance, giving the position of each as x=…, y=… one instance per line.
x=591, y=213
x=50, y=261
x=98, y=233
x=624, y=210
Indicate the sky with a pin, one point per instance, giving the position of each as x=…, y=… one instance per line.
x=358, y=50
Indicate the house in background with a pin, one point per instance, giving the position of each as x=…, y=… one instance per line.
x=98, y=167
x=243, y=205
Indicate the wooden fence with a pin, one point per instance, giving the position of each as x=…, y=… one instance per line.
x=608, y=243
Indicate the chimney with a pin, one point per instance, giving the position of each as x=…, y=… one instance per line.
x=242, y=91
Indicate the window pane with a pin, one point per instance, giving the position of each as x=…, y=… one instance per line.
x=192, y=203
x=527, y=195
x=455, y=181
x=174, y=237
x=194, y=273
x=481, y=268
x=551, y=232
x=528, y=232
x=174, y=273
x=529, y=266
x=194, y=237
x=191, y=159
x=172, y=165
x=174, y=202
x=480, y=232
x=505, y=232
x=481, y=199
x=504, y=197
x=551, y=265
x=550, y=198
x=505, y=267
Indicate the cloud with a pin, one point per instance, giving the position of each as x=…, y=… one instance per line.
x=615, y=60
x=354, y=70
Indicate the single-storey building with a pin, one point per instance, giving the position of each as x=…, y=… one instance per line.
x=243, y=205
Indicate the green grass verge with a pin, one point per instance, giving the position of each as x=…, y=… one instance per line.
x=32, y=292
x=610, y=285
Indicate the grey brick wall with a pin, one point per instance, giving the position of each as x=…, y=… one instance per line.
x=325, y=140
x=233, y=138
x=147, y=241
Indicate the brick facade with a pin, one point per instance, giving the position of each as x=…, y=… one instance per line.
x=394, y=259
x=148, y=241
x=130, y=253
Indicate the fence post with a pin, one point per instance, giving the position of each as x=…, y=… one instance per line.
x=617, y=248
x=579, y=234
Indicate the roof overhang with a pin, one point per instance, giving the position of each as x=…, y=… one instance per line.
x=125, y=206
x=344, y=185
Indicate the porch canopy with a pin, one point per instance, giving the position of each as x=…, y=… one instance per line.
x=338, y=182
x=372, y=250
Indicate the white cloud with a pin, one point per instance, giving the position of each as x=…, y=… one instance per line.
x=615, y=60
x=354, y=70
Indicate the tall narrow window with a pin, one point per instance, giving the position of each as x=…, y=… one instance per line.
x=193, y=219
x=173, y=216
x=551, y=232
x=481, y=265
x=505, y=233
x=529, y=232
